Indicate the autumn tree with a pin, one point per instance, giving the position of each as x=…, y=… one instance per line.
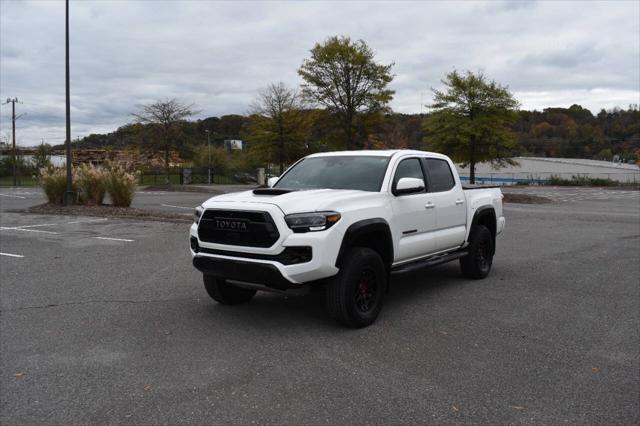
x=42, y=156
x=278, y=124
x=165, y=116
x=470, y=120
x=343, y=76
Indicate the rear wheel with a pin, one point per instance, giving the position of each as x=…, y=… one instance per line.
x=355, y=296
x=477, y=263
x=227, y=294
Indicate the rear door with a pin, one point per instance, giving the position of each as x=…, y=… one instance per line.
x=448, y=200
x=413, y=219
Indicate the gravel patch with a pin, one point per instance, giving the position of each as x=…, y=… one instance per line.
x=510, y=197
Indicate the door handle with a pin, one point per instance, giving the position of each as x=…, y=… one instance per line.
x=429, y=205
x=459, y=202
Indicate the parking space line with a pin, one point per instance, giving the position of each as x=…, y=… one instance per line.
x=114, y=239
x=29, y=226
x=11, y=255
x=177, y=207
x=88, y=221
x=4, y=228
x=13, y=196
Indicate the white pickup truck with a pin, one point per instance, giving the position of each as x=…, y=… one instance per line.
x=345, y=221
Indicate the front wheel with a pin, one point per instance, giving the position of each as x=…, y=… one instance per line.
x=355, y=296
x=227, y=294
x=477, y=263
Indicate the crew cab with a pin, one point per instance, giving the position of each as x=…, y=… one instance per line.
x=345, y=221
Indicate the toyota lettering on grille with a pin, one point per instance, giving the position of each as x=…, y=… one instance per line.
x=231, y=224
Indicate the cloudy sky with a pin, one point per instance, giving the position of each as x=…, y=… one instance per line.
x=219, y=54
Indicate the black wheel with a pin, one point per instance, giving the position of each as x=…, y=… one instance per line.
x=227, y=294
x=477, y=263
x=355, y=296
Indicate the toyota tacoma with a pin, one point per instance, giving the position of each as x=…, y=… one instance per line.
x=345, y=221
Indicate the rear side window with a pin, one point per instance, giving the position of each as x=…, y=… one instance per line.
x=409, y=168
x=440, y=176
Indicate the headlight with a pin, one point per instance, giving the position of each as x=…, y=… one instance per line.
x=305, y=222
x=197, y=213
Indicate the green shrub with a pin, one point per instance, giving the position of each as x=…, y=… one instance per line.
x=120, y=185
x=91, y=182
x=580, y=181
x=54, y=182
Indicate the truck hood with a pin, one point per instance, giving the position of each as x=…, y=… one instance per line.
x=296, y=201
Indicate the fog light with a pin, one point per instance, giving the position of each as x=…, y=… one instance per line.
x=294, y=255
x=194, y=244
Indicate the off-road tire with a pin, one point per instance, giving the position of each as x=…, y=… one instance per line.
x=355, y=296
x=227, y=294
x=477, y=264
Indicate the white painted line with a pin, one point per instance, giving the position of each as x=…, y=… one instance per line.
x=11, y=255
x=88, y=221
x=29, y=226
x=177, y=207
x=13, y=196
x=2, y=228
x=114, y=239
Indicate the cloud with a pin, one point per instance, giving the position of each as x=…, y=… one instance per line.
x=219, y=54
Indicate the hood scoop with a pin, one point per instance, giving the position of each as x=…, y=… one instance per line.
x=272, y=191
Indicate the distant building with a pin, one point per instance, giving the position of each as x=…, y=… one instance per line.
x=232, y=144
x=537, y=168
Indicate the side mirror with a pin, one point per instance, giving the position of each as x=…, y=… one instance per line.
x=272, y=181
x=409, y=186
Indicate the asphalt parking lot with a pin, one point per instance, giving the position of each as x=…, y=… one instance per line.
x=106, y=321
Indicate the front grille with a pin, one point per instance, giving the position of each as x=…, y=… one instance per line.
x=243, y=228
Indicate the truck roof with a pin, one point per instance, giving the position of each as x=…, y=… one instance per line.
x=372, y=152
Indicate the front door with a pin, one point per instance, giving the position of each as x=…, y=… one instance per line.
x=414, y=219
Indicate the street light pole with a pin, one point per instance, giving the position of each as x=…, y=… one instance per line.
x=14, y=153
x=13, y=133
x=68, y=195
x=209, y=148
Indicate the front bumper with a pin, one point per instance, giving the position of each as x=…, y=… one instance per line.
x=245, y=271
x=231, y=262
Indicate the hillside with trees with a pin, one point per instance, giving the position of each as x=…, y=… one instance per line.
x=343, y=103
x=553, y=132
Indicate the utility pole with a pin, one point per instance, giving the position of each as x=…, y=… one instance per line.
x=13, y=135
x=68, y=195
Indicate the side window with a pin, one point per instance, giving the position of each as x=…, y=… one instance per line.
x=409, y=168
x=440, y=176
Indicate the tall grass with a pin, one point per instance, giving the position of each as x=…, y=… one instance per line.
x=120, y=185
x=54, y=182
x=91, y=182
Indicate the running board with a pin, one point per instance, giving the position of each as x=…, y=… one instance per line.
x=430, y=261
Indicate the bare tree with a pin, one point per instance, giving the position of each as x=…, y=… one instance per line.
x=165, y=115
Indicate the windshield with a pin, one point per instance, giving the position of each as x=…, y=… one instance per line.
x=364, y=173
